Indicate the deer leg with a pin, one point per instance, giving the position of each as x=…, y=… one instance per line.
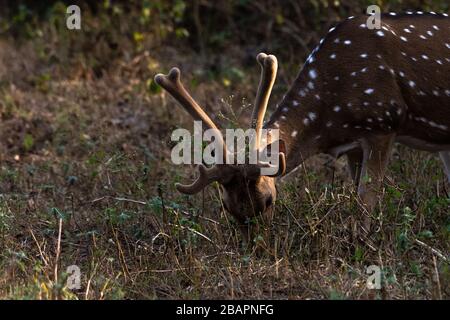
x=376, y=152
x=354, y=160
x=445, y=157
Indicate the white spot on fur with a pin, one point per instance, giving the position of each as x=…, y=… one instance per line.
x=312, y=116
x=312, y=74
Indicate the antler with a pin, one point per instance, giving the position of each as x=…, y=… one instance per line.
x=254, y=170
x=269, y=67
x=173, y=85
x=207, y=176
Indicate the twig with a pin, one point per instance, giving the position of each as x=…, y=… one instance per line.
x=435, y=251
x=39, y=247
x=119, y=199
x=193, y=231
x=58, y=250
x=438, y=281
x=121, y=254
x=92, y=274
x=198, y=216
x=171, y=270
x=326, y=214
x=144, y=203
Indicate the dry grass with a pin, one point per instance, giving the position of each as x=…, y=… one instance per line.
x=86, y=179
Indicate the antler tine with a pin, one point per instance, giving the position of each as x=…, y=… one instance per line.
x=281, y=168
x=173, y=85
x=255, y=170
x=269, y=67
x=206, y=177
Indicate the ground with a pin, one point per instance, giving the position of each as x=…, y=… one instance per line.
x=86, y=180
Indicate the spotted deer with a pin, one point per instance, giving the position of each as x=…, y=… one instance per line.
x=359, y=91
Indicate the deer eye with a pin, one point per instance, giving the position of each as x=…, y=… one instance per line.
x=269, y=201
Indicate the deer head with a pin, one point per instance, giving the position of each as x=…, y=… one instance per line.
x=246, y=192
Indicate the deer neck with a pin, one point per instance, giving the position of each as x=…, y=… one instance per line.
x=296, y=120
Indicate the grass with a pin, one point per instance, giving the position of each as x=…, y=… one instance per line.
x=86, y=180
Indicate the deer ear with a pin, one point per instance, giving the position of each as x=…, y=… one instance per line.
x=280, y=151
x=281, y=147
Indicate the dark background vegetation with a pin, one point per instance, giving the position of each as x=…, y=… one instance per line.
x=86, y=176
